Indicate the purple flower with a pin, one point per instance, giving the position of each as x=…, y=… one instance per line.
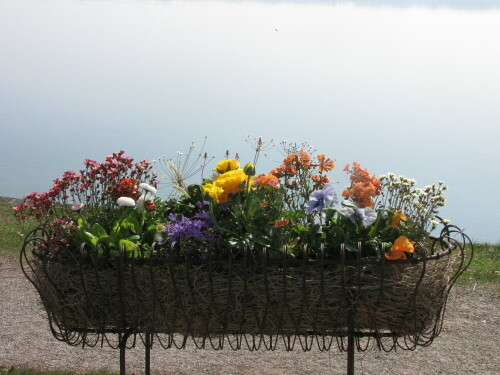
x=319, y=199
x=183, y=227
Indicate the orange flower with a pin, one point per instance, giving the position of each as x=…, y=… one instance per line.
x=284, y=170
x=401, y=246
x=320, y=181
x=281, y=223
x=363, y=186
x=264, y=204
x=304, y=158
x=263, y=180
x=325, y=164
x=290, y=159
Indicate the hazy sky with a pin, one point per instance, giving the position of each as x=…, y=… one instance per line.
x=410, y=89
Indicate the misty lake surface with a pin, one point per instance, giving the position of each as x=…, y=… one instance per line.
x=410, y=87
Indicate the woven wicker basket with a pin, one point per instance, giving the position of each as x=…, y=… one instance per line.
x=234, y=296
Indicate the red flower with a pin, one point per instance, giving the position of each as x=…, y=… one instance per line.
x=149, y=206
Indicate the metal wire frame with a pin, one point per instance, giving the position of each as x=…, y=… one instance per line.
x=121, y=332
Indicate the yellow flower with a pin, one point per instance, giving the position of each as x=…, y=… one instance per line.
x=230, y=182
x=396, y=219
x=401, y=246
x=213, y=191
x=227, y=165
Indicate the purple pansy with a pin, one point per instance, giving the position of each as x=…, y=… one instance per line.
x=319, y=199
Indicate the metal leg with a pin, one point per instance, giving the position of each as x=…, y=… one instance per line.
x=147, y=359
x=350, y=345
x=123, y=347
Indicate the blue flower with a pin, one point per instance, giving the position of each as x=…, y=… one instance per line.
x=319, y=199
x=364, y=216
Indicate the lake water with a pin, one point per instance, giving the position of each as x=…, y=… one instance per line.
x=411, y=87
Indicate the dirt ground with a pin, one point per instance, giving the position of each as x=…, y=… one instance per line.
x=468, y=344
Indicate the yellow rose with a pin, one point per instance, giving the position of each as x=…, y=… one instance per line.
x=213, y=191
x=231, y=182
x=227, y=165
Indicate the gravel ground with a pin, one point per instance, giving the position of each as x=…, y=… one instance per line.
x=469, y=344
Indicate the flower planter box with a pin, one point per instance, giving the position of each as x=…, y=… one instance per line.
x=222, y=297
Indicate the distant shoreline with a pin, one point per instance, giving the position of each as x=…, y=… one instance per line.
x=8, y=200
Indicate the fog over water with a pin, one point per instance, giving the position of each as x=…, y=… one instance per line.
x=410, y=87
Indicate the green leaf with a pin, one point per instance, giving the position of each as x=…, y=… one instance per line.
x=82, y=223
x=90, y=238
x=98, y=231
x=127, y=245
x=104, y=239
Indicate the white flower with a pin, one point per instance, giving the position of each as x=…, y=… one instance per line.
x=147, y=188
x=125, y=202
x=364, y=216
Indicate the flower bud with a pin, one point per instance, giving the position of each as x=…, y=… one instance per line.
x=149, y=206
x=249, y=169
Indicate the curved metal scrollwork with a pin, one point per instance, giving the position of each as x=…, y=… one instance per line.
x=237, y=303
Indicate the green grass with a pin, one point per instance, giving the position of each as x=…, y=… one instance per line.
x=485, y=267
x=14, y=371
x=11, y=236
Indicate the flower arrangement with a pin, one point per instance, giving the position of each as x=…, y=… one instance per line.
x=113, y=205
x=282, y=252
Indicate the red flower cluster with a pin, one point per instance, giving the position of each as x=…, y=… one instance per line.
x=33, y=205
x=363, y=186
x=127, y=187
x=99, y=184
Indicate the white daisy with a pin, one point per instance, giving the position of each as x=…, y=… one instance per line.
x=125, y=202
x=147, y=187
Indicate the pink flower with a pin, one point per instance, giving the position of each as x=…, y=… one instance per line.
x=77, y=207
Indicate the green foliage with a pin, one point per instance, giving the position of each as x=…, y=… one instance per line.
x=133, y=231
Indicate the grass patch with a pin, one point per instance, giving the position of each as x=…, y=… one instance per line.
x=14, y=371
x=11, y=233
x=485, y=266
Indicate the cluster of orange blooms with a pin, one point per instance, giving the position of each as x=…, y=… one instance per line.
x=302, y=161
x=363, y=186
x=264, y=180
